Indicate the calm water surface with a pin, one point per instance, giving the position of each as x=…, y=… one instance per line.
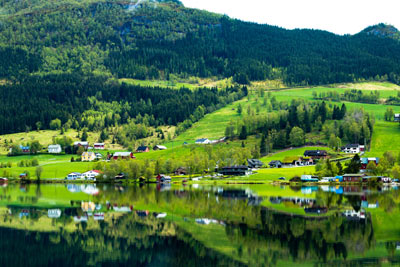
x=259, y=225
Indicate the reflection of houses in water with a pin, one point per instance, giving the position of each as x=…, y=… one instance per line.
x=307, y=190
x=54, y=213
x=316, y=210
x=206, y=221
x=74, y=188
x=366, y=204
x=240, y=194
x=354, y=215
x=300, y=201
x=163, y=187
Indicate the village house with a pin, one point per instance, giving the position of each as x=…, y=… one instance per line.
x=396, y=117
x=181, y=171
x=275, y=164
x=54, y=149
x=99, y=146
x=159, y=147
x=316, y=154
x=123, y=155
x=309, y=178
x=254, y=163
x=142, y=149
x=353, y=149
x=84, y=144
x=297, y=161
x=365, y=161
x=25, y=149
x=235, y=170
x=203, y=141
x=74, y=176
x=88, y=156
x=91, y=175
x=353, y=178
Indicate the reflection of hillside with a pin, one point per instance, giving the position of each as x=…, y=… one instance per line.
x=125, y=240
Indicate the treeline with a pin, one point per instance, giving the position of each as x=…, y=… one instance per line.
x=151, y=43
x=62, y=101
x=352, y=95
x=287, y=124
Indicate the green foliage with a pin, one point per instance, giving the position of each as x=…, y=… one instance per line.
x=296, y=136
x=354, y=165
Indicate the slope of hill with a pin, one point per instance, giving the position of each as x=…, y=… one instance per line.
x=151, y=39
x=383, y=30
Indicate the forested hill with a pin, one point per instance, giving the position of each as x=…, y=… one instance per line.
x=151, y=39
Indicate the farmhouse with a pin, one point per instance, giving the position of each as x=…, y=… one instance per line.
x=181, y=171
x=396, y=117
x=275, y=164
x=352, y=177
x=25, y=149
x=203, y=141
x=88, y=156
x=365, y=161
x=159, y=147
x=81, y=143
x=254, y=163
x=353, y=149
x=235, y=170
x=74, y=176
x=309, y=178
x=99, y=146
x=142, y=149
x=54, y=149
x=316, y=154
x=90, y=175
x=123, y=155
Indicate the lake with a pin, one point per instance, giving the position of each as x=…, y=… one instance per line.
x=198, y=225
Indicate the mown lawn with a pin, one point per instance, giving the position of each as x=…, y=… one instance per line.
x=292, y=152
x=385, y=138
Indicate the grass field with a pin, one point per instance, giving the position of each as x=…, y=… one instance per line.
x=291, y=152
x=385, y=138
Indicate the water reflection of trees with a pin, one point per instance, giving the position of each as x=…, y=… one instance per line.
x=126, y=241
x=281, y=236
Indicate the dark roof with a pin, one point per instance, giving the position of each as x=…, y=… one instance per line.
x=255, y=162
x=315, y=153
x=274, y=162
x=351, y=146
x=236, y=167
x=142, y=148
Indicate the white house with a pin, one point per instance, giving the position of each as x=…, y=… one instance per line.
x=397, y=117
x=353, y=149
x=90, y=175
x=54, y=149
x=54, y=213
x=203, y=141
x=74, y=176
x=159, y=147
x=82, y=143
x=98, y=146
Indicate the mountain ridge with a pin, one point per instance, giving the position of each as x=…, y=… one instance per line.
x=154, y=41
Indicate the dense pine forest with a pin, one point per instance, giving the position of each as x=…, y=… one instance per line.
x=152, y=39
x=94, y=102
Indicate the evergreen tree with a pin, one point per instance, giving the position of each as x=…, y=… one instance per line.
x=243, y=133
x=354, y=165
x=263, y=147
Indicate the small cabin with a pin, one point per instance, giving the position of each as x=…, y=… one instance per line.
x=99, y=146
x=54, y=149
x=123, y=155
x=235, y=170
x=143, y=149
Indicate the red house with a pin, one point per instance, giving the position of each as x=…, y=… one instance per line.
x=98, y=145
x=365, y=161
x=123, y=155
